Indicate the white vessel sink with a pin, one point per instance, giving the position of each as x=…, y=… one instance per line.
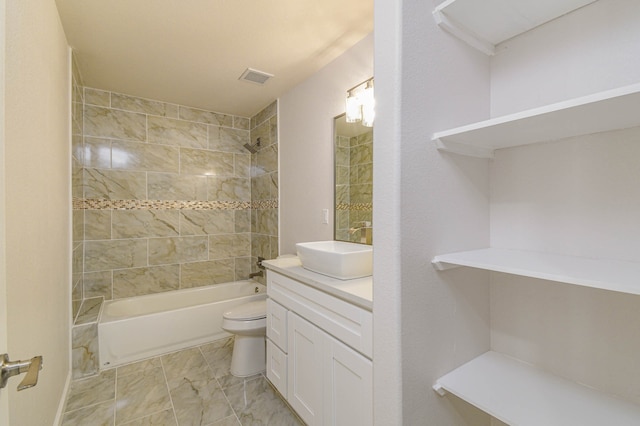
x=337, y=259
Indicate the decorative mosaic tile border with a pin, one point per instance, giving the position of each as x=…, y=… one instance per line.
x=104, y=204
x=362, y=207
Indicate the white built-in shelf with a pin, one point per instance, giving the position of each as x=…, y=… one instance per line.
x=484, y=24
x=600, y=112
x=611, y=275
x=518, y=393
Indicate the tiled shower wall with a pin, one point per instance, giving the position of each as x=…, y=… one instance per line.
x=354, y=184
x=165, y=198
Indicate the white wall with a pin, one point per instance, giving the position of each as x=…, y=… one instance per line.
x=38, y=204
x=578, y=197
x=306, y=115
x=425, y=203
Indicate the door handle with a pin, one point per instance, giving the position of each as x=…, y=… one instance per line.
x=12, y=368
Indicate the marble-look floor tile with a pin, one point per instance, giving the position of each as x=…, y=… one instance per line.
x=91, y=391
x=228, y=421
x=256, y=403
x=163, y=418
x=141, y=394
x=218, y=356
x=94, y=415
x=188, y=363
x=198, y=399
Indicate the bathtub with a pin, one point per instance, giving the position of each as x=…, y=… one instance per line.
x=141, y=327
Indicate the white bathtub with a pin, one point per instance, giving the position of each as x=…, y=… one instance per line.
x=140, y=327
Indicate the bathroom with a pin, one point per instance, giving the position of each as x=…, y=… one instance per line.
x=426, y=202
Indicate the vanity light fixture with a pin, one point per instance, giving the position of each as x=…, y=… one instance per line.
x=360, y=103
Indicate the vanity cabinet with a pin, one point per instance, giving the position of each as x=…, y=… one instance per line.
x=323, y=367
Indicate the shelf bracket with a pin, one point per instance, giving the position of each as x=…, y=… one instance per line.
x=439, y=389
x=461, y=33
x=462, y=149
x=442, y=266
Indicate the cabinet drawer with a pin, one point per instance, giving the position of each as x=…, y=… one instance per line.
x=277, y=368
x=277, y=324
x=349, y=323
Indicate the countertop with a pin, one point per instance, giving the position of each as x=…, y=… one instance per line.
x=358, y=291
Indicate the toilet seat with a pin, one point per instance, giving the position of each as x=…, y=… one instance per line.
x=248, y=311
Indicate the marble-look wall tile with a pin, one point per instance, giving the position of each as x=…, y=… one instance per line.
x=208, y=117
x=265, y=114
x=113, y=123
x=229, y=189
x=166, y=186
x=267, y=160
x=342, y=175
x=260, y=246
x=145, y=223
x=146, y=106
x=114, y=254
x=98, y=284
x=361, y=193
x=229, y=245
x=170, y=131
x=243, y=268
x=204, y=162
x=148, y=280
x=242, y=165
x=97, y=97
x=241, y=123
x=89, y=311
x=115, y=184
x=76, y=258
x=77, y=176
x=177, y=250
x=97, y=225
x=361, y=154
x=145, y=157
x=228, y=140
x=267, y=222
x=205, y=222
x=261, y=188
x=262, y=132
x=242, y=220
x=84, y=350
x=274, y=243
x=197, y=274
x=273, y=124
x=97, y=152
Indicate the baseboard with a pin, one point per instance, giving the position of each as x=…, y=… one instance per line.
x=63, y=401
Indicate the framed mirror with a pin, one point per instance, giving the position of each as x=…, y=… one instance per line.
x=353, y=165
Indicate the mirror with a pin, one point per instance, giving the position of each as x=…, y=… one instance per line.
x=353, y=162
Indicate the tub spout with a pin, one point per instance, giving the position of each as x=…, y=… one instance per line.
x=256, y=274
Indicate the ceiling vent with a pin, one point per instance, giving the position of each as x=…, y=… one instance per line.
x=255, y=76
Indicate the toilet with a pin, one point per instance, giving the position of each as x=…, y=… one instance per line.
x=248, y=322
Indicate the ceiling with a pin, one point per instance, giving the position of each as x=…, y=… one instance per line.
x=192, y=52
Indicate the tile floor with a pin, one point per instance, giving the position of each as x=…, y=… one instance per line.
x=190, y=387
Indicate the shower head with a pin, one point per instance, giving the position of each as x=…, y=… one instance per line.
x=253, y=148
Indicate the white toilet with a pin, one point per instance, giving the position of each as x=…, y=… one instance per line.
x=249, y=324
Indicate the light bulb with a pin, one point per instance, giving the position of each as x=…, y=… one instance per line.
x=353, y=108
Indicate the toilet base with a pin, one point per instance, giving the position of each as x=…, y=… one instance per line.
x=248, y=356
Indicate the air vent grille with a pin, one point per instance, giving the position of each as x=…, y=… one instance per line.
x=255, y=76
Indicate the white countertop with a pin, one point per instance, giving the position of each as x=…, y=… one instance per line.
x=358, y=291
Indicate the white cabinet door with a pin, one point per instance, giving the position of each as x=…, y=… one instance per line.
x=277, y=367
x=348, y=386
x=305, y=361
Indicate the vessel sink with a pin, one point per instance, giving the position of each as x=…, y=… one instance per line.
x=337, y=259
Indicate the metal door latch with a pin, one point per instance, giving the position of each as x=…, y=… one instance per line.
x=12, y=368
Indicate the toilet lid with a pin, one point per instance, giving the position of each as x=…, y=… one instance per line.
x=248, y=311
